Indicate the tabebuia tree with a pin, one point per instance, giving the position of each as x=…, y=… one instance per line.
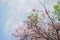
x=35, y=27
x=57, y=9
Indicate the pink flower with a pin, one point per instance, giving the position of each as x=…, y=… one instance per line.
x=22, y=38
x=39, y=24
x=26, y=31
x=27, y=22
x=50, y=28
x=17, y=31
x=30, y=28
x=33, y=10
x=15, y=35
x=57, y=25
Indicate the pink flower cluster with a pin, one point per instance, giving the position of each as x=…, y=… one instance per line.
x=34, y=10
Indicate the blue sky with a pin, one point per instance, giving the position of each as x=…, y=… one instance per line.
x=3, y=18
x=12, y=12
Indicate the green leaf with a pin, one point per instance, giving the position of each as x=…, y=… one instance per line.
x=56, y=7
x=36, y=15
x=58, y=2
x=32, y=14
x=57, y=10
x=59, y=18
